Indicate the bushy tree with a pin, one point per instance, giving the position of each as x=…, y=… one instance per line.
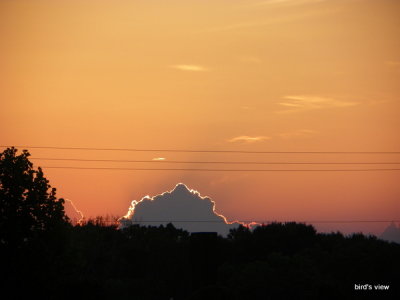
x=28, y=204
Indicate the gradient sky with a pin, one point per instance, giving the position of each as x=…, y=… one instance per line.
x=278, y=75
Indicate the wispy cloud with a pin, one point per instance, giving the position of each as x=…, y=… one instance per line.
x=191, y=68
x=392, y=63
x=249, y=139
x=250, y=59
x=271, y=21
x=286, y=2
x=300, y=133
x=158, y=158
x=299, y=103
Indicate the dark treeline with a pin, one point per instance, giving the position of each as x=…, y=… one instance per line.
x=43, y=256
x=276, y=261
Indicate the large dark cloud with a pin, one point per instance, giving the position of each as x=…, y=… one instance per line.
x=183, y=207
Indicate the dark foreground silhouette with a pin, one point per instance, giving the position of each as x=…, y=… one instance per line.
x=277, y=261
x=42, y=256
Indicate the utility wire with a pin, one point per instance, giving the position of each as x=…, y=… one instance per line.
x=202, y=151
x=217, y=162
x=220, y=170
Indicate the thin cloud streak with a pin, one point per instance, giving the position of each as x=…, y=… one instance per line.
x=250, y=59
x=286, y=2
x=300, y=133
x=271, y=21
x=191, y=68
x=301, y=103
x=392, y=63
x=249, y=139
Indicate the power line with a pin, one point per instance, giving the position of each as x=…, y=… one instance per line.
x=202, y=151
x=220, y=170
x=217, y=162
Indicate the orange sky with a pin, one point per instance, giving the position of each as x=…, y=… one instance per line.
x=280, y=75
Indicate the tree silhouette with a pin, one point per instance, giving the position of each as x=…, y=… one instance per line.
x=28, y=204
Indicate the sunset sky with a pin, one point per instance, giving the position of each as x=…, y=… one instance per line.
x=278, y=75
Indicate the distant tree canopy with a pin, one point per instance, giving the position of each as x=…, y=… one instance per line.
x=28, y=204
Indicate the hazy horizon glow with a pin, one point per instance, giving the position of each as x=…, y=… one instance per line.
x=250, y=75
